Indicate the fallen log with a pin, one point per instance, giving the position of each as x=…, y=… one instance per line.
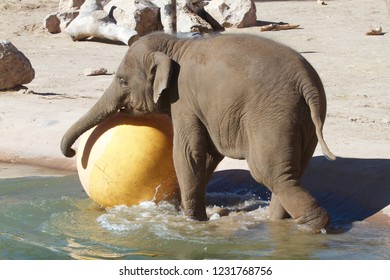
x=278, y=27
x=93, y=21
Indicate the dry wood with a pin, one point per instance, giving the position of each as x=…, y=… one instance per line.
x=278, y=27
x=93, y=21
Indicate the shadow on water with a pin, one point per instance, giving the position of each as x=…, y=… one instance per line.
x=349, y=189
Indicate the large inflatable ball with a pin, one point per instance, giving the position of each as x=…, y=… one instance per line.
x=126, y=160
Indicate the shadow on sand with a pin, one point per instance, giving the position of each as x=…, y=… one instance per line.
x=349, y=189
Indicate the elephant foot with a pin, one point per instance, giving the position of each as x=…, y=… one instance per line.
x=315, y=221
x=198, y=215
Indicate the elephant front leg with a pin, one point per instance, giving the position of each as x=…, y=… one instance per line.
x=190, y=170
x=190, y=159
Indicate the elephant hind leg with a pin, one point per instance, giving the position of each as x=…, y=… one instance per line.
x=276, y=210
x=301, y=205
x=289, y=198
x=281, y=175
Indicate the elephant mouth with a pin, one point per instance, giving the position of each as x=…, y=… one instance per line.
x=132, y=112
x=127, y=110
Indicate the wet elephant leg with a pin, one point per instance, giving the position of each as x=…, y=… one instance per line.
x=301, y=205
x=276, y=210
x=278, y=167
x=194, y=165
x=213, y=158
x=295, y=200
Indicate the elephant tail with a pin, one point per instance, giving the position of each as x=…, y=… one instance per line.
x=314, y=102
x=325, y=150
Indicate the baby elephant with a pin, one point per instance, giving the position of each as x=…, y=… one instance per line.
x=239, y=96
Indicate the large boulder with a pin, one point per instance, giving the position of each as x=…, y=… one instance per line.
x=188, y=21
x=141, y=16
x=186, y=17
x=52, y=23
x=66, y=17
x=15, y=67
x=146, y=16
x=68, y=10
x=58, y=22
x=233, y=13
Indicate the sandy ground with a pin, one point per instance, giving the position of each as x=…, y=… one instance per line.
x=355, y=70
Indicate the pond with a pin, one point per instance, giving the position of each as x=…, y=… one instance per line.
x=45, y=214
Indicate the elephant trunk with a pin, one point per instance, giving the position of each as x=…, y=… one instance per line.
x=105, y=107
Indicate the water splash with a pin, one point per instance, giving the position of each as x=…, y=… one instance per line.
x=164, y=221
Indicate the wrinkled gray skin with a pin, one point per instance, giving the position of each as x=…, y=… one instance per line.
x=238, y=96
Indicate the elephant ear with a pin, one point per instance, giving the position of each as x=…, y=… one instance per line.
x=163, y=74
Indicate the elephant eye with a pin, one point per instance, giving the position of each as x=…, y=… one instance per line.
x=123, y=82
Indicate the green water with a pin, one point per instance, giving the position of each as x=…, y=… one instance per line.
x=50, y=217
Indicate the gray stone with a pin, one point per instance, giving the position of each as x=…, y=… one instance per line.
x=187, y=19
x=15, y=67
x=233, y=13
x=141, y=16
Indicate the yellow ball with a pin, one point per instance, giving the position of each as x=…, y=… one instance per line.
x=126, y=160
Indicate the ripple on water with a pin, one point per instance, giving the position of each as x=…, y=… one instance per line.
x=52, y=218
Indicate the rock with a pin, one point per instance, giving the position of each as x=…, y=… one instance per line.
x=120, y=16
x=15, y=67
x=95, y=72
x=376, y=30
x=187, y=19
x=167, y=14
x=66, y=18
x=141, y=16
x=197, y=7
x=52, y=23
x=58, y=22
x=68, y=5
x=233, y=13
x=147, y=18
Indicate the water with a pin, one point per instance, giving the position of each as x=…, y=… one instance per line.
x=51, y=217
